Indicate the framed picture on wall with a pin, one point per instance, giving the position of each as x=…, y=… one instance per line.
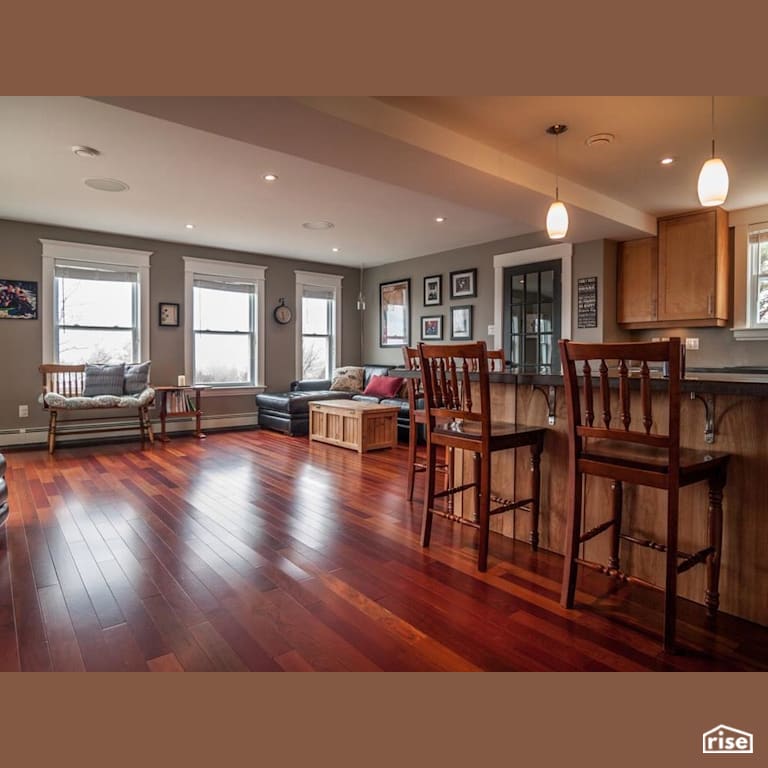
x=463, y=283
x=433, y=290
x=461, y=323
x=169, y=314
x=395, y=313
x=432, y=328
x=18, y=300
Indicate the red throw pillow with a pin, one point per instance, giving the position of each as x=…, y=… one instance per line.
x=383, y=386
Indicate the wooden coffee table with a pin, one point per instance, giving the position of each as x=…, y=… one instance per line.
x=353, y=424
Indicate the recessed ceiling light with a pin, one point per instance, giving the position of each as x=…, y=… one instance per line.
x=599, y=139
x=439, y=219
x=270, y=177
x=106, y=185
x=667, y=160
x=189, y=226
x=85, y=151
x=335, y=250
x=317, y=225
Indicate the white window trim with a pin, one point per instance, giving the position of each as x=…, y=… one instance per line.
x=89, y=253
x=561, y=251
x=742, y=221
x=215, y=268
x=318, y=280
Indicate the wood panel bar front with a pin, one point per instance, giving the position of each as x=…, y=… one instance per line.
x=740, y=429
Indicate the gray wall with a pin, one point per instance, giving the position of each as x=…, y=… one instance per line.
x=596, y=258
x=21, y=340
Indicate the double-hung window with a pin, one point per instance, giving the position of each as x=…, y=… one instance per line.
x=224, y=346
x=96, y=305
x=757, y=262
x=318, y=324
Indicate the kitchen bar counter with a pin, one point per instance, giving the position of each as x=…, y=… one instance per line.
x=727, y=410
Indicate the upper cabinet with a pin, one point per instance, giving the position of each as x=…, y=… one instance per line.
x=681, y=278
x=637, y=281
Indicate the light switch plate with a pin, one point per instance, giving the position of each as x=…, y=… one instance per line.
x=692, y=343
x=491, y=330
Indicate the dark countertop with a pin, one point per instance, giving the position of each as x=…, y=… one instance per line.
x=750, y=382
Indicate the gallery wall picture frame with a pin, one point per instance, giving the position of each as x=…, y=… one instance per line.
x=168, y=314
x=461, y=323
x=395, y=313
x=463, y=283
x=432, y=328
x=433, y=290
x=18, y=299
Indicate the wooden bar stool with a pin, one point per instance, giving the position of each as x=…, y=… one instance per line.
x=455, y=421
x=417, y=415
x=613, y=450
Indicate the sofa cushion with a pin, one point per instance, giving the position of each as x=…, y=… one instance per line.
x=104, y=379
x=136, y=378
x=383, y=386
x=348, y=379
x=373, y=370
x=295, y=402
x=366, y=398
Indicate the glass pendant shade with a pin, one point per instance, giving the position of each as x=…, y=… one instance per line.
x=713, y=182
x=361, y=295
x=557, y=221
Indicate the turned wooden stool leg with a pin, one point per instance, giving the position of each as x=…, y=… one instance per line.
x=617, y=500
x=715, y=524
x=412, y=439
x=536, y=450
x=484, y=511
x=573, y=528
x=429, y=495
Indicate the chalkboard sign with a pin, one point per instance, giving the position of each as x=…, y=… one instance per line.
x=587, y=302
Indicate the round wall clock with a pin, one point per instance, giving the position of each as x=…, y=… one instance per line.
x=282, y=313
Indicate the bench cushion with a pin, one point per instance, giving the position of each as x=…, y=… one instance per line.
x=55, y=400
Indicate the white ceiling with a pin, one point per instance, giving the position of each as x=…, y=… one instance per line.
x=380, y=169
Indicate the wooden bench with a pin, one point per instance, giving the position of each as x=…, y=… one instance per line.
x=63, y=387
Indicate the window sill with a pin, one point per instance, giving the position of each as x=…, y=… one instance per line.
x=750, y=334
x=215, y=391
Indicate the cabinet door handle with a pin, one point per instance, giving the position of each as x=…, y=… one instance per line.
x=710, y=303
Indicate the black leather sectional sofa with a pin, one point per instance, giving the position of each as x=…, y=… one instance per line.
x=289, y=411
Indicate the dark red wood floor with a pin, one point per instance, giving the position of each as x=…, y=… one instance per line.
x=255, y=551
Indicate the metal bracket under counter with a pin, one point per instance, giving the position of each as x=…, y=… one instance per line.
x=550, y=394
x=709, y=415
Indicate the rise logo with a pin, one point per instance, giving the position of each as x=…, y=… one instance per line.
x=724, y=740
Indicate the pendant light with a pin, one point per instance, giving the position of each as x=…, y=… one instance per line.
x=361, y=295
x=557, y=215
x=713, y=178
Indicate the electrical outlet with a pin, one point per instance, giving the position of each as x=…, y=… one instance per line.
x=23, y=411
x=692, y=343
x=491, y=330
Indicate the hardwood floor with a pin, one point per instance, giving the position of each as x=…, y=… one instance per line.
x=256, y=551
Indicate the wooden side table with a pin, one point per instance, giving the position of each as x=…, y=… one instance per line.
x=179, y=401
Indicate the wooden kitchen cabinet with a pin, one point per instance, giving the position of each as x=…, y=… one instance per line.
x=679, y=278
x=693, y=268
x=637, y=281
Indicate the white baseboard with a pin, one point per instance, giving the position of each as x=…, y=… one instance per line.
x=39, y=435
